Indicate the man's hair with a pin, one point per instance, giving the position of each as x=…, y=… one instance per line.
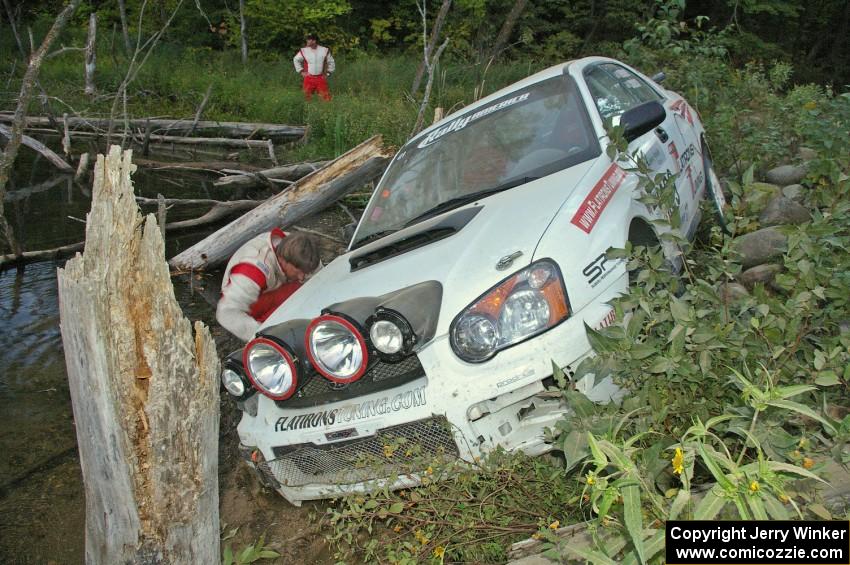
x=301, y=250
x=313, y=36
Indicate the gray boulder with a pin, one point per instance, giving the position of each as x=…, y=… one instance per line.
x=786, y=174
x=782, y=210
x=763, y=274
x=795, y=192
x=732, y=292
x=760, y=247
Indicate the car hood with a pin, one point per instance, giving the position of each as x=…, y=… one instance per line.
x=464, y=263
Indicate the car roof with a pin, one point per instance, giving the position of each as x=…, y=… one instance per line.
x=574, y=66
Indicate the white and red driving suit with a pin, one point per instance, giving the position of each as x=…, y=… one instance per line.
x=254, y=285
x=318, y=64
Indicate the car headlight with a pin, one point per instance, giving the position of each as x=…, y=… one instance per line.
x=336, y=348
x=271, y=367
x=390, y=334
x=233, y=382
x=525, y=304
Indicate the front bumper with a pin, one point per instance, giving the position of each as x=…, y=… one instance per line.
x=454, y=410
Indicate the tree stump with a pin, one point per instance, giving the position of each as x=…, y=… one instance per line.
x=144, y=388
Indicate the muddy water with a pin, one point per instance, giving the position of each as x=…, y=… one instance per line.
x=42, y=505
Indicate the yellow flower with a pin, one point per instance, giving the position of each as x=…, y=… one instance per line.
x=808, y=462
x=554, y=525
x=591, y=478
x=783, y=498
x=536, y=536
x=429, y=470
x=754, y=486
x=439, y=551
x=810, y=105
x=678, y=462
x=388, y=451
x=397, y=529
x=420, y=537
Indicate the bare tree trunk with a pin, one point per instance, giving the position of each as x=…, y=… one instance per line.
x=314, y=192
x=11, y=15
x=435, y=36
x=243, y=32
x=11, y=151
x=507, y=28
x=144, y=389
x=122, y=11
x=35, y=145
x=91, y=54
x=420, y=119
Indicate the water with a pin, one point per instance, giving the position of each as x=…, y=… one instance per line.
x=42, y=503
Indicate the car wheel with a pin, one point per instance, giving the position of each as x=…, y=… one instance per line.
x=713, y=190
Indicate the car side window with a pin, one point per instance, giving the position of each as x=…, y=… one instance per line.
x=615, y=89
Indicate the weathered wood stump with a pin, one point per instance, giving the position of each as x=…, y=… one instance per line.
x=144, y=389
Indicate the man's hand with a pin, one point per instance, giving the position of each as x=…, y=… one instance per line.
x=304, y=74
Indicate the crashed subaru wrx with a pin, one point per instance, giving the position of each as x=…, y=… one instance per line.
x=477, y=262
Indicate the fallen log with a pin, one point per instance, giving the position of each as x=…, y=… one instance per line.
x=22, y=193
x=256, y=131
x=12, y=260
x=258, y=178
x=35, y=145
x=317, y=190
x=216, y=166
x=220, y=210
x=144, y=389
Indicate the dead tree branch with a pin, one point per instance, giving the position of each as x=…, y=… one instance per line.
x=11, y=151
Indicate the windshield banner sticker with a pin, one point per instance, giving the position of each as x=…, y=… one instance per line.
x=590, y=210
x=353, y=412
x=461, y=123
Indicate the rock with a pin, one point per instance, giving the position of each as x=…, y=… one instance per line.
x=795, y=192
x=786, y=174
x=732, y=292
x=758, y=194
x=807, y=154
x=782, y=210
x=760, y=247
x=759, y=274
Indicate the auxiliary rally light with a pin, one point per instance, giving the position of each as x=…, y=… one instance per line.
x=336, y=348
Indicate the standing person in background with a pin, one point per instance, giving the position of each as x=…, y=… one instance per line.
x=315, y=63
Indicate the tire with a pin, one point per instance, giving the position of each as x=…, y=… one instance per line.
x=713, y=190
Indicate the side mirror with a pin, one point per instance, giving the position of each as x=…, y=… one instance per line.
x=642, y=119
x=659, y=77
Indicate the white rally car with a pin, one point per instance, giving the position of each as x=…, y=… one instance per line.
x=477, y=262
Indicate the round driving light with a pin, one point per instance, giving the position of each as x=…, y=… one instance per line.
x=476, y=337
x=271, y=368
x=386, y=337
x=336, y=348
x=232, y=382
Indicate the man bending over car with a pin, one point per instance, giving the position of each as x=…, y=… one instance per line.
x=260, y=276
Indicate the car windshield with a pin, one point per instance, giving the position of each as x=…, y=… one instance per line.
x=520, y=137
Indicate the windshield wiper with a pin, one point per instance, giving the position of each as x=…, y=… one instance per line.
x=372, y=237
x=467, y=198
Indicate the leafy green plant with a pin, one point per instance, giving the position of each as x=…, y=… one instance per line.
x=250, y=554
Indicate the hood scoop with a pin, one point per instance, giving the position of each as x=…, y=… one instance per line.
x=414, y=237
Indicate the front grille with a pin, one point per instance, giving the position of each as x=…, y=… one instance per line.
x=394, y=451
x=317, y=390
